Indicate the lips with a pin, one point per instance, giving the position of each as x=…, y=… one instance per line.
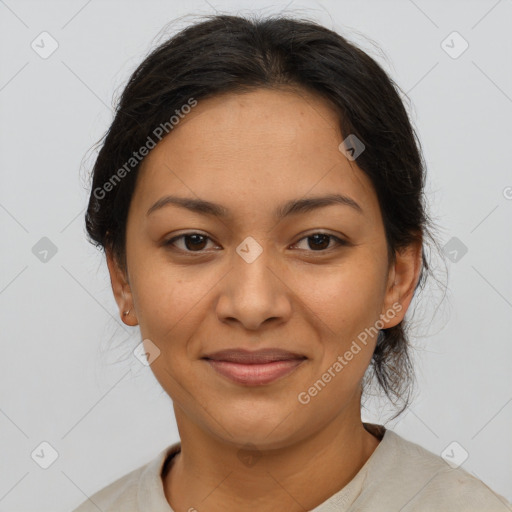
x=242, y=356
x=254, y=368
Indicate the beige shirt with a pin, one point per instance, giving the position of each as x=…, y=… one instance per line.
x=398, y=476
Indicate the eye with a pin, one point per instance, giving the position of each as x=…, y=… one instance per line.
x=196, y=242
x=193, y=242
x=319, y=242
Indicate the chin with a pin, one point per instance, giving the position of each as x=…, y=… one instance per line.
x=268, y=429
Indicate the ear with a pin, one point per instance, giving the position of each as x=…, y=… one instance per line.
x=402, y=280
x=121, y=289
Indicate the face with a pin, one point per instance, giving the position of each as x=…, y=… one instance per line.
x=310, y=280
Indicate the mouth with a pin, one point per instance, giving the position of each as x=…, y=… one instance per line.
x=254, y=368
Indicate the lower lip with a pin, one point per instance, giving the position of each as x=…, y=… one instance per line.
x=255, y=374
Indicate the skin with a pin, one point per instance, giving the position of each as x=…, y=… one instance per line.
x=250, y=153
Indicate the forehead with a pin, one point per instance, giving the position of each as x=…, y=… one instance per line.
x=254, y=150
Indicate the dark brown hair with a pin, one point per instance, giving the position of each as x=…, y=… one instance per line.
x=224, y=54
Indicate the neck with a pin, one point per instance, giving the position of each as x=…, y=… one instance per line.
x=214, y=474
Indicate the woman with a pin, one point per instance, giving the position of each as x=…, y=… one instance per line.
x=259, y=197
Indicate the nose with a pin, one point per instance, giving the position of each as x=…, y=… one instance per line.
x=254, y=292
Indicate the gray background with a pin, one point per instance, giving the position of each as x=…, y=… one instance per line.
x=67, y=375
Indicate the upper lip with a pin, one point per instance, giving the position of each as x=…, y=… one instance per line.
x=243, y=356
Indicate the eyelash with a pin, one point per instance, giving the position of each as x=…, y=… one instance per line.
x=170, y=243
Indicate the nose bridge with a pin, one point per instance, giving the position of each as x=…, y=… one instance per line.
x=253, y=293
x=250, y=266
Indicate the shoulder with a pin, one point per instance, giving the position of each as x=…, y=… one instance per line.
x=142, y=484
x=122, y=491
x=417, y=479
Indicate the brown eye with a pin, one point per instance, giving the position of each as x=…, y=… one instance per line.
x=197, y=242
x=319, y=242
x=192, y=242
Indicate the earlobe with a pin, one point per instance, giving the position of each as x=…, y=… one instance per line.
x=402, y=282
x=121, y=290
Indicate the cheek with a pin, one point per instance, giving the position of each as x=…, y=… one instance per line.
x=170, y=307
x=166, y=295
x=172, y=304
x=346, y=298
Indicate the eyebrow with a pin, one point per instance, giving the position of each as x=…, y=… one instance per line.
x=293, y=207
